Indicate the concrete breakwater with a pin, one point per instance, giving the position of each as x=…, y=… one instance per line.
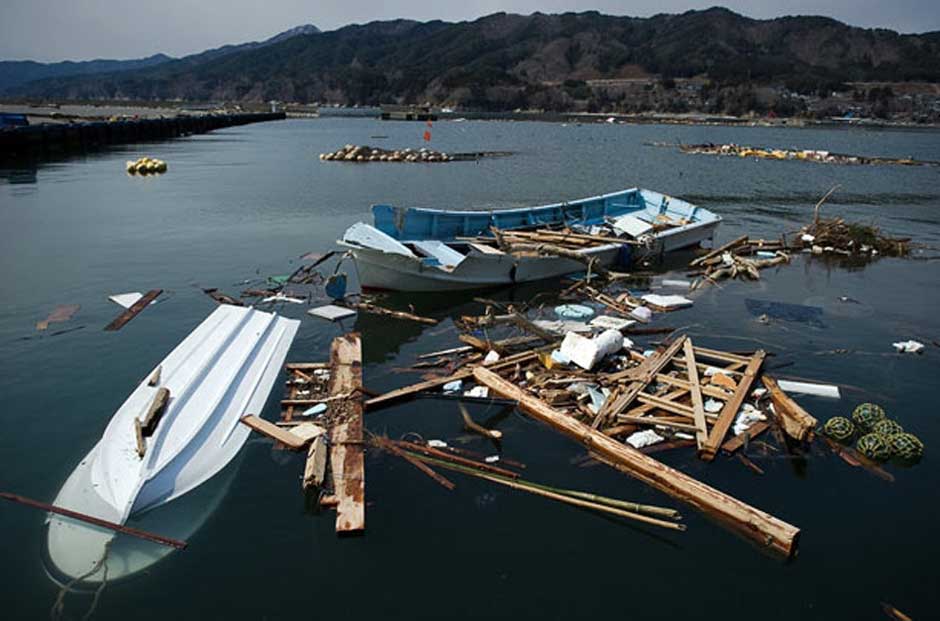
x=52, y=139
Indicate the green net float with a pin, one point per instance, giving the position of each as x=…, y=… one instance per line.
x=867, y=414
x=887, y=427
x=874, y=446
x=839, y=428
x=907, y=446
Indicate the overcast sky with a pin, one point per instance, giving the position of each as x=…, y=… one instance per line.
x=49, y=30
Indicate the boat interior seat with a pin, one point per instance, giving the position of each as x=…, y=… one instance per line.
x=437, y=252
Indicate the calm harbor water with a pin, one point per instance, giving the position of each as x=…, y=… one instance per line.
x=241, y=204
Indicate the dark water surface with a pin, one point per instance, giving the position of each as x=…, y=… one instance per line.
x=244, y=203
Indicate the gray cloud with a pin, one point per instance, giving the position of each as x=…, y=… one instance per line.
x=50, y=30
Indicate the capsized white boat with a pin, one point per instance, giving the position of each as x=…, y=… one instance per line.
x=412, y=249
x=224, y=369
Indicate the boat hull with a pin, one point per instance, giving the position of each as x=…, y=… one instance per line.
x=224, y=369
x=378, y=270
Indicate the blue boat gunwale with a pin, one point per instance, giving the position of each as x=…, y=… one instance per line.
x=418, y=223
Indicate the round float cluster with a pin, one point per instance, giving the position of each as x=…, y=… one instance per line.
x=146, y=166
x=880, y=438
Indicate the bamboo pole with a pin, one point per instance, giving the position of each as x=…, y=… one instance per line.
x=525, y=486
x=758, y=526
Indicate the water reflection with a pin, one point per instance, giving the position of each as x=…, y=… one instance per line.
x=127, y=555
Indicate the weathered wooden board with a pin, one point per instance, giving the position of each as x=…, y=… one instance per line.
x=272, y=431
x=347, y=458
x=730, y=410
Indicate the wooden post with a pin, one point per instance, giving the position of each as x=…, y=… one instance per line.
x=756, y=525
x=732, y=405
x=796, y=421
x=347, y=459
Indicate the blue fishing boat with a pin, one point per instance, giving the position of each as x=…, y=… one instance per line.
x=416, y=249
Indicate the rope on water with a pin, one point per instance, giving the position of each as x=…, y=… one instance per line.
x=59, y=606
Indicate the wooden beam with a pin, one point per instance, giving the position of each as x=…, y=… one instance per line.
x=796, y=421
x=122, y=319
x=732, y=405
x=758, y=526
x=698, y=406
x=347, y=458
x=265, y=428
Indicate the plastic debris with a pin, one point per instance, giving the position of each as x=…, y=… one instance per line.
x=491, y=459
x=684, y=284
x=908, y=347
x=126, y=300
x=644, y=438
x=574, y=311
x=331, y=312
x=712, y=405
x=317, y=409
x=453, y=386
x=335, y=286
x=478, y=391
x=437, y=444
x=609, y=322
x=669, y=302
x=586, y=352
x=280, y=297
x=562, y=326
x=491, y=356
x=641, y=313
x=746, y=418
x=807, y=388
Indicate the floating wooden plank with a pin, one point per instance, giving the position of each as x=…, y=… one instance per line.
x=796, y=422
x=90, y=519
x=698, y=406
x=222, y=298
x=730, y=410
x=347, y=459
x=379, y=310
x=718, y=251
x=315, y=468
x=265, y=428
x=121, y=320
x=61, y=313
x=758, y=526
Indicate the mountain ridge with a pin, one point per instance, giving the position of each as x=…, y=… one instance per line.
x=14, y=73
x=545, y=61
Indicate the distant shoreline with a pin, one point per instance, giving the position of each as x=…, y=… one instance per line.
x=73, y=111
